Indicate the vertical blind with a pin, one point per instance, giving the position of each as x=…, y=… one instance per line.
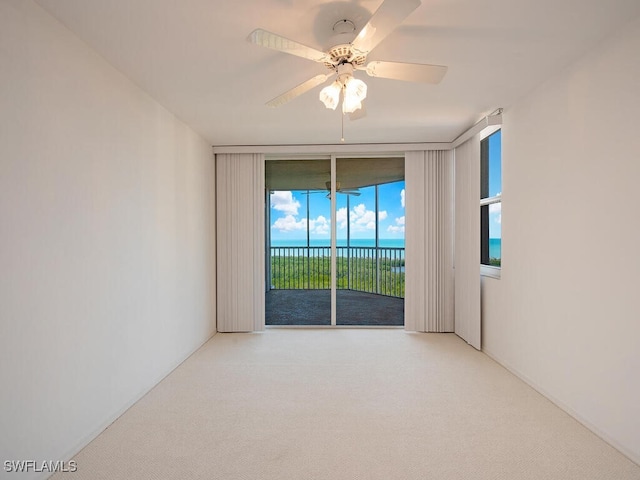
x=240, y=242
x=467, y=241
x=429, y=285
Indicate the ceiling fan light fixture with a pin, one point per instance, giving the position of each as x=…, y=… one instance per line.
x=350, y=105
x=330, y=95
x=356, y=89
x=354, y=92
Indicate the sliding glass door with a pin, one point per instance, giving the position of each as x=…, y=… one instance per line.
x=298, y=242
x=370, y=241
x=360, y=281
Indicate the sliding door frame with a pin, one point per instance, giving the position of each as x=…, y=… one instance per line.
x=333, y=157
x=334, y=246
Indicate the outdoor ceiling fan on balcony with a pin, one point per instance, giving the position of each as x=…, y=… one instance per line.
x=345, y=59
x=347, y=191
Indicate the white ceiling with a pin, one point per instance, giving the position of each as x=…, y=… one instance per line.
x=192, y=56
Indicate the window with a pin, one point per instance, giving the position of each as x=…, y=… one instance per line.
x=491, y=204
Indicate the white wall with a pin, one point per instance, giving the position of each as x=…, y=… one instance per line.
x=566, y=313
x=106, y=239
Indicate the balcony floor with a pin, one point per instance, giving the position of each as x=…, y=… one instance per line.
x=313, y=307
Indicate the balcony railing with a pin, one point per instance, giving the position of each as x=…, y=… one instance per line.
x=365, y=269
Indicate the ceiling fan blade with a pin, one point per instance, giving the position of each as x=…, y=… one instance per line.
x=388, y=16
x=355, y=193
x=312, y=191
x=299, y=90
x=410, y=72
x=282, y=44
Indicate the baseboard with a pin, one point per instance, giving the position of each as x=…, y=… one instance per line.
x=563, y=406
x=72, y=452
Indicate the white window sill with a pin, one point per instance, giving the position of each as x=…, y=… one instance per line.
x=489, y=271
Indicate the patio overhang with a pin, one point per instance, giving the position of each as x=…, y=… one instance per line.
x=351, y=173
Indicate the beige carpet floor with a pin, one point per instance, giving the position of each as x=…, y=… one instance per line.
x=346, y=404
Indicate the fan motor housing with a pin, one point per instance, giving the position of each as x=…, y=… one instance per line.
x=344, y=54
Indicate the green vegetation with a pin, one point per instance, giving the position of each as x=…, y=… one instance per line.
x=301, y=272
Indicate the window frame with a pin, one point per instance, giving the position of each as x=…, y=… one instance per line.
x=486, y=269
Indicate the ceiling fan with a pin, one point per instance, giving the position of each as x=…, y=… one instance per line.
x=345, y=59
x=347, y=191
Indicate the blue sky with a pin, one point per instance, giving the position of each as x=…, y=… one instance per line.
x=289, y=214
x=495, y=184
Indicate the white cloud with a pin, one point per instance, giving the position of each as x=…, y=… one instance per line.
x=359, y=210
x=289, y=224
x=495, y=212
x=341, y=218
x=398, y=227
x=362, y=219
x=402, y=197
x=319, y=226
x=283, y=201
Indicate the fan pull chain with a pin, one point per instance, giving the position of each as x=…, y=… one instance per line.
x=344, y=94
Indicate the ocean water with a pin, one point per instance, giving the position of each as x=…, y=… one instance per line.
x=495, y=248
